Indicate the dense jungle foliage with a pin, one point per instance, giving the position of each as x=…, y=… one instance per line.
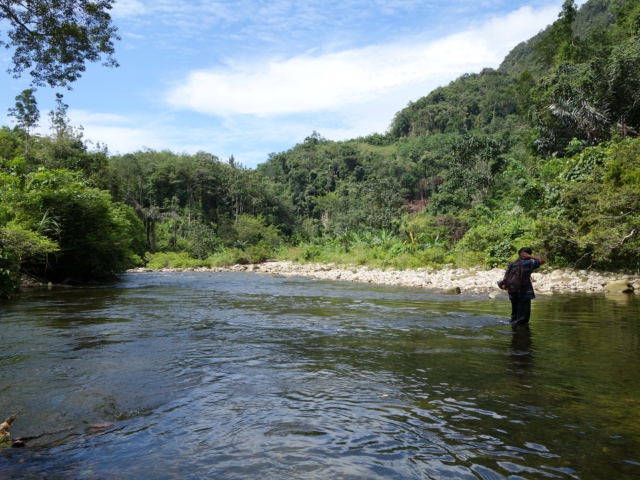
x=544, y=152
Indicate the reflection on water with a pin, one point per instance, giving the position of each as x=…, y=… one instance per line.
x=521, y=352
x=238, y=376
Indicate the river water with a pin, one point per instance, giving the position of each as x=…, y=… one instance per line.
x=233, y=376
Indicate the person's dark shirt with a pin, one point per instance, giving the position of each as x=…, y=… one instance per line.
x=528, y=266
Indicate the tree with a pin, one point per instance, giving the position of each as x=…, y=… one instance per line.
x=58, y=117
x=9, y=283
x=624, y=86
x=559, y=43
x=628, y=19
x=53, y=39
x=26, y=113
x=573, y=106
x=593, y=208
x=96, y=237
x=475, y=161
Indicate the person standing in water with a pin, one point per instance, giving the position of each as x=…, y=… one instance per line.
x=521, y=301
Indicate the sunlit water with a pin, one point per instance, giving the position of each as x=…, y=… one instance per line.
x=230, y=376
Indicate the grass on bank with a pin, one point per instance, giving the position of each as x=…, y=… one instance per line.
x=227, y=257
x=374, y=257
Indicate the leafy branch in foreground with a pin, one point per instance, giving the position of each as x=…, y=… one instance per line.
x=53, y=39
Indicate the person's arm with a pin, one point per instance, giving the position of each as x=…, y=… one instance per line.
x=526, y=256
x=503, y=283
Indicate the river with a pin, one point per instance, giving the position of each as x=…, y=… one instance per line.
x=238, y=375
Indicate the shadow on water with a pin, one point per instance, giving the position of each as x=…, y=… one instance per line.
x=235, y=375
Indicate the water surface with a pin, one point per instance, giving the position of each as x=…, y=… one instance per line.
x=200, y=375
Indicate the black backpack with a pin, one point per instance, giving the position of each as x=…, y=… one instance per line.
x=514, y=277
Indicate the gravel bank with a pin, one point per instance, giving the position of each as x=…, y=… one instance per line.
x=449, y=280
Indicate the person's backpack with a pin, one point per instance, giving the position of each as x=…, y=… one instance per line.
x=514, y=278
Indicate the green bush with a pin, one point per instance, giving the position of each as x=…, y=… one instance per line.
x=61, y=228
x=173, y=260
x=225, y=258
x=9, y=282
x=499, y=254
x=259, y=253
x=252, y=230
x=201, y=240
x=433, y=257
x=428, y=231
x=311, y=252
x=26, y=245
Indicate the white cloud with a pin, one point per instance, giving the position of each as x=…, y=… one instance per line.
x=126, y=139
x=82, y=117
x=120, y=133
x=129, y=8
x=306, y=14
x=333, y=81
x=253, y=107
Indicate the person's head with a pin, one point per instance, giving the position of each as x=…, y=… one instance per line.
x=525, y=250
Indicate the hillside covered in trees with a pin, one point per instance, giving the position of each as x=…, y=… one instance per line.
x=543, y=151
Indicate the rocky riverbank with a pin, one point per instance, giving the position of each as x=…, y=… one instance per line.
x=448, y=280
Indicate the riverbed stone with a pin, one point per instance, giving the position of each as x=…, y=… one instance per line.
x=454, y=281
x=619, y=286
x=451, y=291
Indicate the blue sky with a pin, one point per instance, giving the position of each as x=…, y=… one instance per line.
x=251, y=77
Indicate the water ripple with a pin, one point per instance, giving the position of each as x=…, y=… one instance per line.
x=238, y=376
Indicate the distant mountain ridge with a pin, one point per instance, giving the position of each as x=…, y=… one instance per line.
x=474, y=100
x=592, y=15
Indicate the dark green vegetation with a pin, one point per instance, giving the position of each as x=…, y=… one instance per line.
x=542, y=151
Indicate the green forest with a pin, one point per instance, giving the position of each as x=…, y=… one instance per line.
x=541, y=152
